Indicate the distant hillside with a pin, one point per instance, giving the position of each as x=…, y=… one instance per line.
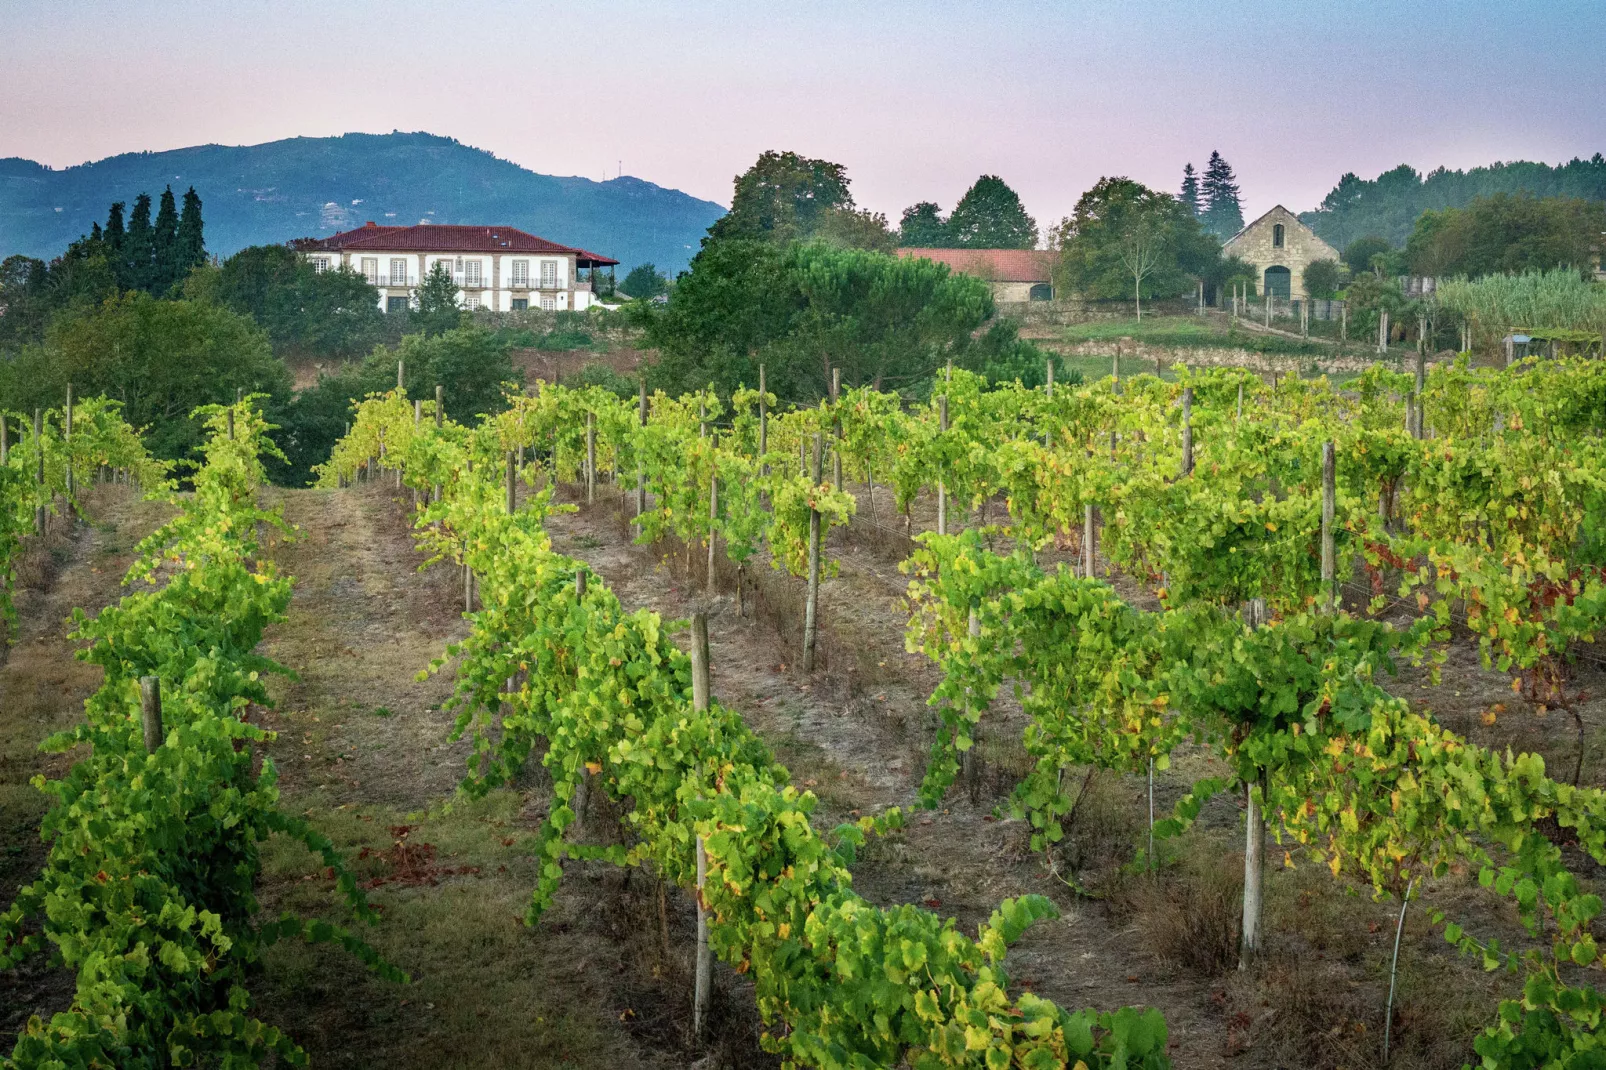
x=1387, y=206
x=301, y=187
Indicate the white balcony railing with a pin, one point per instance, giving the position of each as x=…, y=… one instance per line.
x=393, y=280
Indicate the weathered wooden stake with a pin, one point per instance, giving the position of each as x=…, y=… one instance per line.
x=591, y=458
x=1089, y=533
x=1238, y=417
x=701, y=681
x=1329, y=507
x=5, y=440
x=1421, y=384
x=150, y=712
x=440, y=420
x=67, y=439
x=39, y=474
x=763, y=421
x=1254, y=869
x=811, y=603
x=1383, y=333
x=1187, y=430
x=641, y=471
x=468, y=587
x=512, y=484
x=836, y=454
x=942, y=488
x=713, y=531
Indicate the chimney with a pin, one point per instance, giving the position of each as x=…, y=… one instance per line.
x=369, y=223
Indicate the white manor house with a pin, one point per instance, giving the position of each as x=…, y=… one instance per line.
x=498, y=268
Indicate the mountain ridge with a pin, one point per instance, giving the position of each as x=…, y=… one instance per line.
x=311, y=187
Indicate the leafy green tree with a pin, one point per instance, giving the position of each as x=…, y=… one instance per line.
x=644, y=280
x=165, y=269
x=849, y=228
x=305, y=312
x=1223, y=215
x=191, y=239
x=1322, y=278
x=806, y=309
x=24, y=296
x=991, y=216
x=1359, y=253
x=1126, y=240
x=138, y=248
x=437, y=310
x=923, y=227
x=783, y=197
x=1506, y=234
x=1190, y=190
x=161, y=359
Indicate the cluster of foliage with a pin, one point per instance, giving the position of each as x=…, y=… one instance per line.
x=1507, y=234
x=785, y=198
x=1126, y=240
x=605, y=697
x=1214, y=201
x=989, y=216
x=1389, y=205
x=806, y=308
x=644, y=281
x=306, y=313
x=1547, y=300
x=148, y=890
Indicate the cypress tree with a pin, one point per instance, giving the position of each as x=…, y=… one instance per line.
x=991, y=216
x=95, y=232
x=164, y=241
x=114, y=227
x=1223, y=215
x=191, y=248
x=134, y=270
x=1190, y=190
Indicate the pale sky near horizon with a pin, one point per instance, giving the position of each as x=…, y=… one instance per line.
x=916, y=99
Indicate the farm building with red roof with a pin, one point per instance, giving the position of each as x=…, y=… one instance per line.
x=1015, y=274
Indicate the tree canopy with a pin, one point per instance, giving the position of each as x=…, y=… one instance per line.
x=1222, y=215
x=1127, y=240
x=990, y=216
x=1506, y=234
x=305, y=312
x=923, y=227
x=643, y=281
x=783, y=197
x=1389, y=205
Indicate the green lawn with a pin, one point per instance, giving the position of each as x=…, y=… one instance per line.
x=1190, y=331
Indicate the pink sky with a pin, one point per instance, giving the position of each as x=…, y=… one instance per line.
x=915, y=99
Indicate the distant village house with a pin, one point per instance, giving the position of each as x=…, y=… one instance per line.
x=1015, y=275
x=1279, y=247
x=498, y=268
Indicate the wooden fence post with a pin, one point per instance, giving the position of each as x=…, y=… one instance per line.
x=713, y=530
x=641, y=470
x=1238, y=418
x=150, y=712
x=811, y=604
x=1329, y=507
x=1421, y=384
x=700, y=688
x=1383, y=332
x=440, y=420
x=836, y=454
x=39, y=474
x=67, y=440
x=1187, y=430
x=763, y=421
x=591, y=458
x=512, y=484
x=942, y=488
x=1089, y=533
x=1115, y=367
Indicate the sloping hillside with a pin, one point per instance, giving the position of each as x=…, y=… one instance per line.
x=314, y=186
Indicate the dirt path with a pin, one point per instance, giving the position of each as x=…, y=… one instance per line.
x=363, y=752
x=42, y=690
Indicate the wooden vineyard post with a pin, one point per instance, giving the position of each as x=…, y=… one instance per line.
x=1048, y=390
x=1089, y=533
x=836, y=450
x=418, y=420
x=231, y=425
x=1254, y=869
x=512, y=484
x=591, y=458
x=67, y=440
x=468, y=586
x=1329, y=507
x=700, y=688
x=1511, y=350
x=1383, y=333
x=811, y=603
x=1238, y=417
x=1343, y=322
x=581, y=786
x=763, y=422
x=150, y=712
x=1421, y=384
x=440, y=420
x=967, y=760
x=401, y=379
x=1115, y=367
x=713, y=530
x=942, y=488
x=1187, y=430
x=5, y=441
x=39, y=473
x=1266, y=304
x=641, y=470
x=1304, y=319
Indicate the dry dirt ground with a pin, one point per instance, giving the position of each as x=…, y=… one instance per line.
x=363, y=752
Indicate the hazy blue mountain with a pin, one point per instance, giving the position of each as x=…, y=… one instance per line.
x=1388, y=205
x=312, y=187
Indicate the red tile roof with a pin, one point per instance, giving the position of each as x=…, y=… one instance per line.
x=994, y=265
x=452, y=238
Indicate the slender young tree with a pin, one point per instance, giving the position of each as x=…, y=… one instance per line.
x=1223, y=216
x=1190, y=189
x=134, y=266
x=191, y=245
x=164, y=245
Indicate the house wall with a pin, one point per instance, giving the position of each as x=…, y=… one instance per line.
x=1301, y=247
x=1010, y=292
x=495, y=292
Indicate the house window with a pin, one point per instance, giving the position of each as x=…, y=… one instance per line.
x=370, y=269
x=320, y=263
x=471, y=302
x=548, y=301
x=395, y=304
x=521, y=273
x=520, y=303
x=1277, y=236
x=549, y=276
x=471, y=273
x=398, y=272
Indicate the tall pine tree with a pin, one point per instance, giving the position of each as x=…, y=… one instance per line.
x=134, y=266
x=1223, y=216
x=114, y=228
x=191, y=245
x=164, y=245
x=1190, y=190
